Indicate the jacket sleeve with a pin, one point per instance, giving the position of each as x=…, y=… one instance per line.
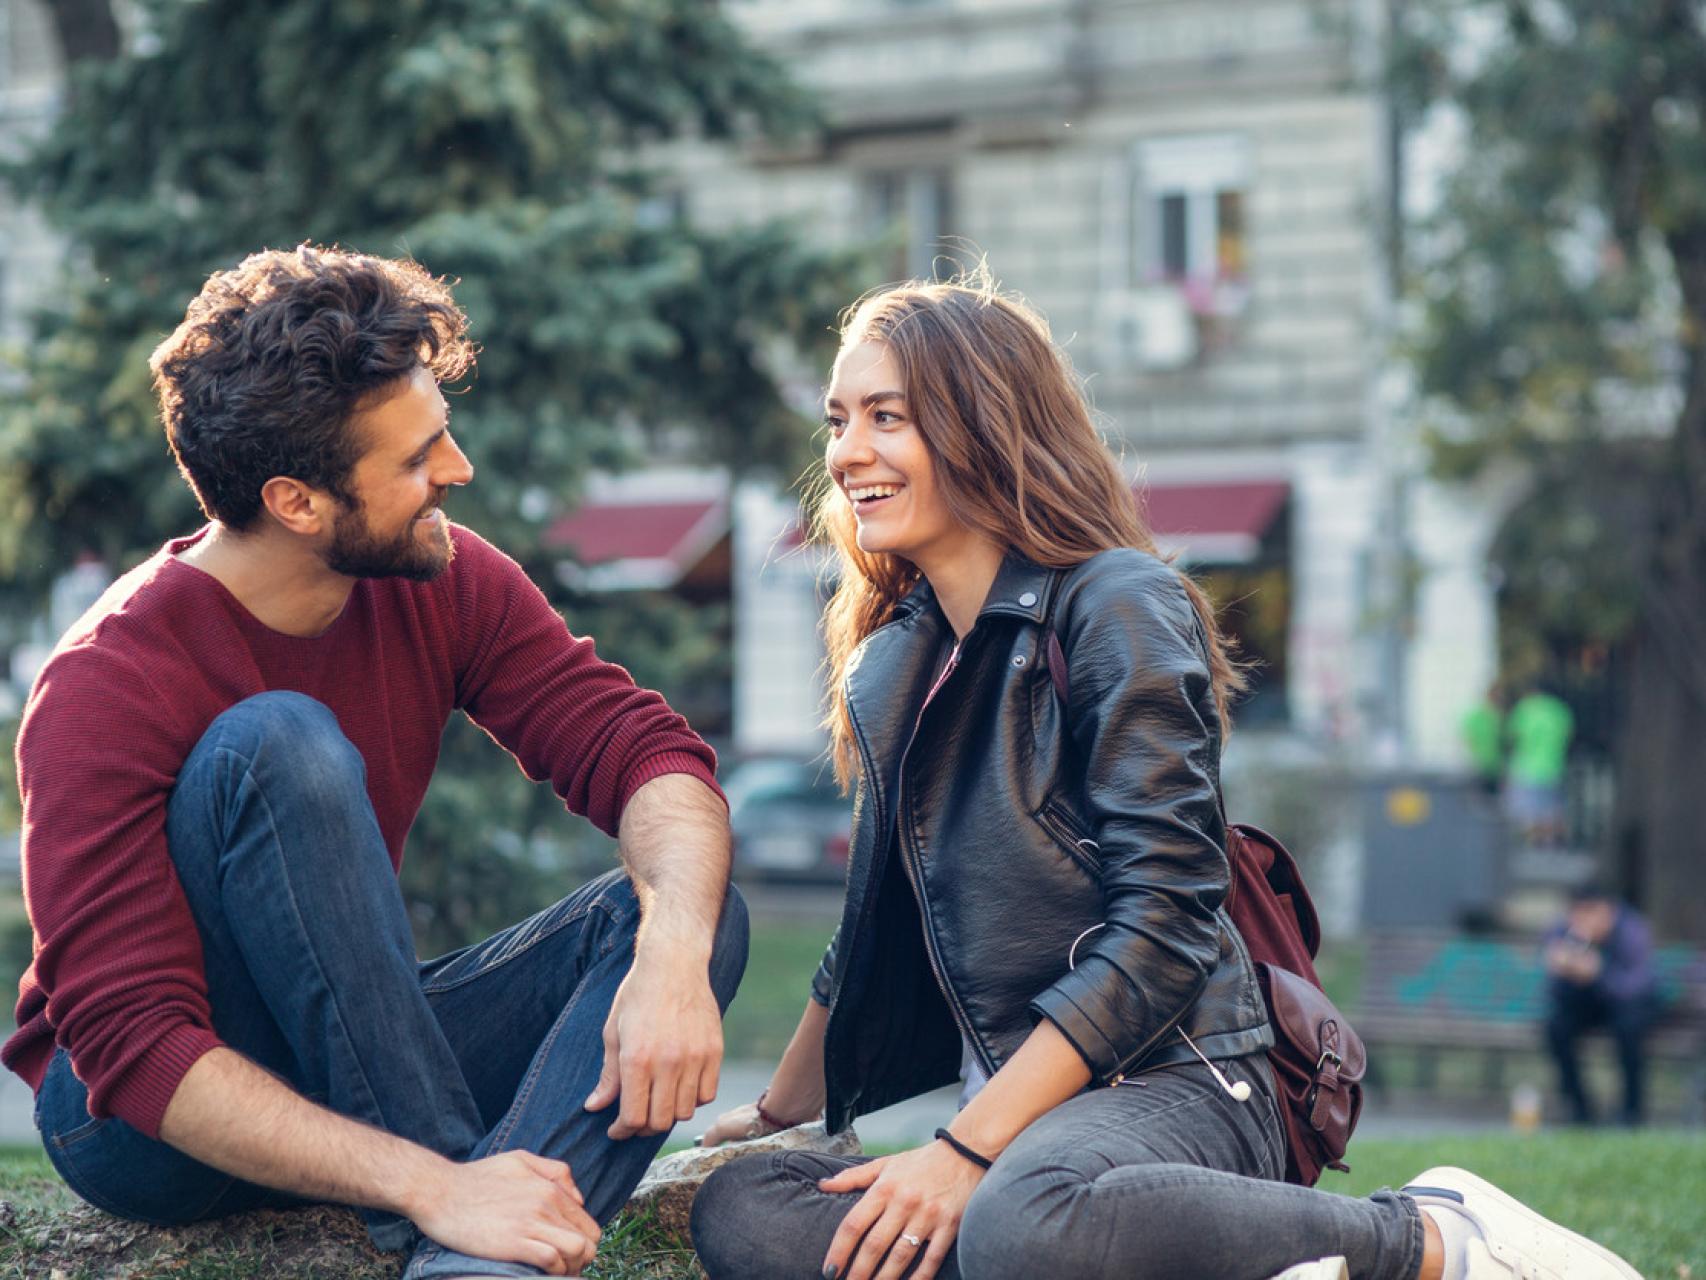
x=823, y=981
x=1141, y=718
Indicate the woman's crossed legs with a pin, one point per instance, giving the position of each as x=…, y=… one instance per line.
x=1160, y=1179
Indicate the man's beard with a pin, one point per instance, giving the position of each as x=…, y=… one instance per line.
x=357, y=552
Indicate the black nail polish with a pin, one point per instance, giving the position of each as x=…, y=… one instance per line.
x=829, y=1272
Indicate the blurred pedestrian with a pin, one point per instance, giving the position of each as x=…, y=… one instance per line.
x=1539, y=730
x=1600, y=961
x=1483, y=732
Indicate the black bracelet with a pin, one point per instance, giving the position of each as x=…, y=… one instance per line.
x=982, y=1162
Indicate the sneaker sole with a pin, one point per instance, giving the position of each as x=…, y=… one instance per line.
x=1462, y=1180
x=1320, y=1269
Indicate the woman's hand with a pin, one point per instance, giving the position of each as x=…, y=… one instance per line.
x=795, y=1095
x=921, y=1194
x=736, y=1125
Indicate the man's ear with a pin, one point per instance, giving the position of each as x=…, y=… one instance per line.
x=300, y=508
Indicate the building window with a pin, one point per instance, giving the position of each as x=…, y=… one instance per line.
x=911, y=210
x=1189, y=226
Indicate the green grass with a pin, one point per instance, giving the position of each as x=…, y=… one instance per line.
x=774, y=992
x=1640, y=1194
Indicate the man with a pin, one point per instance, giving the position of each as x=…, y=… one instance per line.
x=1600, y=961
x=219, y=766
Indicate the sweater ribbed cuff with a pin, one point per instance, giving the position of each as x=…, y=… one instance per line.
x=139, y=1097
x=666, y=762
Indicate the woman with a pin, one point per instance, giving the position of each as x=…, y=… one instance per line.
x=1035, y=883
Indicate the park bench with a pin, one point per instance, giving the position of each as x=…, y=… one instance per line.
x=1434, y=992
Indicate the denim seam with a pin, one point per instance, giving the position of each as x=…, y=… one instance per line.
x=1207, y=1095
x=78, y=1134
x=439, y=988
x=1416, y=1236
x=80, y=1184
x=312, y=954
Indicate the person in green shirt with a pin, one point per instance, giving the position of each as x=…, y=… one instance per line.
x=1483, y=732
x=1539, y=729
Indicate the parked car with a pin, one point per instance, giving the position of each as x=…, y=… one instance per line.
x=790, y=821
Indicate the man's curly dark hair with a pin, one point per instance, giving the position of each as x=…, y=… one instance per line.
x=275, y=356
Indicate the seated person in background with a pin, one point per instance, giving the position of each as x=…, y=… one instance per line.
x=1600, y=961
x=219, y=765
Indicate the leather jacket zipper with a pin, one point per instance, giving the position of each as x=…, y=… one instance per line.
x=915, y=874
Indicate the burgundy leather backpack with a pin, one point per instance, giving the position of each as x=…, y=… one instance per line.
x=1317, y=1059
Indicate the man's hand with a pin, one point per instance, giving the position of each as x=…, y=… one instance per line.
x=513, y=1207
x=663, y=1045
x=663, y=1040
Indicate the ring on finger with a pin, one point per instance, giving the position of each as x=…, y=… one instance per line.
x=911, y=1239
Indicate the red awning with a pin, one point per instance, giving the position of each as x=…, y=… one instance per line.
x=1214, y=522
x=639, y=544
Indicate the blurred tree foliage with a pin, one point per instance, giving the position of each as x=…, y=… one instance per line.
x=500, y=143
x=1561, y=327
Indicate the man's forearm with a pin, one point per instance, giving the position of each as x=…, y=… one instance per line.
x=515, y=1206
x=675, y=843
x=231, y=1114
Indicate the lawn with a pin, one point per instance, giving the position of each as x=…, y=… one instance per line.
x=784, y=955
x=1640, y=1194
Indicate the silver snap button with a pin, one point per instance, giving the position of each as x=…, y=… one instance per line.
x=1028, y=599
x=1018, y=659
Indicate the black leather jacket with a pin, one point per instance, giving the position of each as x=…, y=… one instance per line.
x=1017, y=858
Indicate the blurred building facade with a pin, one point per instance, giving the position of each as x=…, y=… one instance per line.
x=1196, y=194
x=30, y=83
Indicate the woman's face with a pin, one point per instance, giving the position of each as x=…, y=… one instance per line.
x=877, y=457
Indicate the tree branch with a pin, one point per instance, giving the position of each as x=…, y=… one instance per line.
x=87, y=29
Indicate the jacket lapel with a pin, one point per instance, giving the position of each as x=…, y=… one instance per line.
x=886, y=683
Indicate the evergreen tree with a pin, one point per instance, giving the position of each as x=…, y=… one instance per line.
x=1561, y=292
x=500, y=143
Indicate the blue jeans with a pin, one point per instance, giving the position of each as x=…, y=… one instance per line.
x=1164, y=1177
x=311, y=973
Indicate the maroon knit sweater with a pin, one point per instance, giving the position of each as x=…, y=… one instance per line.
x=117, y=977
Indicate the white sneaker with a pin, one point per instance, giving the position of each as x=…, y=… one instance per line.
x=1320, y=1269
x=1515, y=1240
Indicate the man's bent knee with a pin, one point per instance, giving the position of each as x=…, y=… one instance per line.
x=284, y=739
x=729, y=947
x=277, y=757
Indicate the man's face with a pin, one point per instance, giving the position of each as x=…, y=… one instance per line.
x=393, y=526
x=1591, y=920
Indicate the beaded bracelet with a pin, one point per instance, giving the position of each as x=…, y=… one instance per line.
x=982, y=1162
x=765, y=1116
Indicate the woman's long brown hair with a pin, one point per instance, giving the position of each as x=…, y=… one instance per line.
x=1016, y=457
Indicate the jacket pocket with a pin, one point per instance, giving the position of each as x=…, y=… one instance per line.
x=1063, y=826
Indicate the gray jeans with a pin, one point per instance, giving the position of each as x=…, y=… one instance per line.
x=1163, y=1178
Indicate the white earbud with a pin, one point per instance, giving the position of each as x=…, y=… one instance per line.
x=1238, y=1092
